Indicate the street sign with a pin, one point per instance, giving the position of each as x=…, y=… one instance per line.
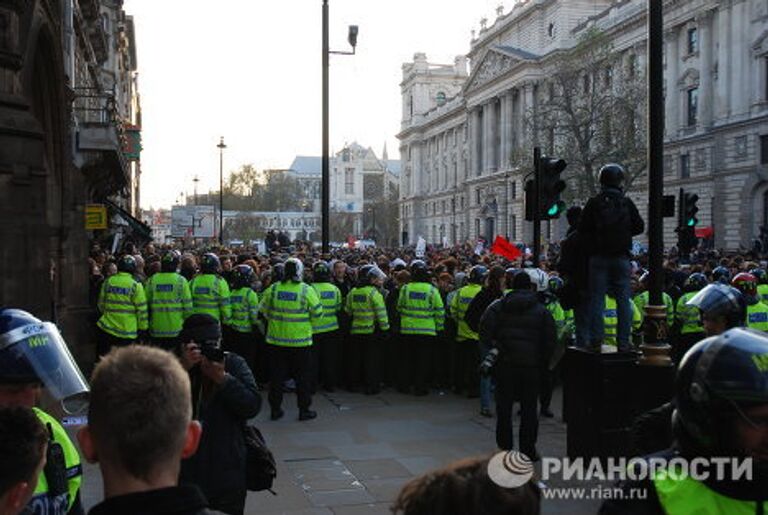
x=192, y=221
x=95, y=217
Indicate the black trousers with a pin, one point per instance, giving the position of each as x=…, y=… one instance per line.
x=466, y=377
x=521, y=384
x=327, y=351
x=105, y=342
x=242, y=344
x=418, y=352
x=287, y=362
x=169, y=344
x=363, y=366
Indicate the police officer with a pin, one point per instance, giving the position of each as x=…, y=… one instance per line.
x=123, y=307
x=757, y=312
x=244, y=323
x=369, y=320
x=721, y=274
x=169, y=300
x=210, y=292
x=422, y=315
x=611, y=320
x=34, y=355
x=687, y=319
x=762, y=287
x=326, y=338
x=722, y=307
x=290, y=307
x=467, y=346
x=721, y=404
x=641, y=299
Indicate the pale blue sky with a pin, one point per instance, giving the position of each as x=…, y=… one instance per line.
x=249, y=70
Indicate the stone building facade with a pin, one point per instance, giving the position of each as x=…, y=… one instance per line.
x=67, y=92
x=463, y=136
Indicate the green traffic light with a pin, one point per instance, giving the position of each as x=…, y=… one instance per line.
x=555, y=209
x=692, y=222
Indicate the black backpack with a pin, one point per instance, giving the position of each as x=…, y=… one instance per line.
x=613, y=225
x=260, y=469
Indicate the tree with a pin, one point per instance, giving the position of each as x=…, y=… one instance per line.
x=269, y=190
x=592, y=112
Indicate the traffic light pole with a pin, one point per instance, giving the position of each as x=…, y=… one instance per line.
x=536, y=205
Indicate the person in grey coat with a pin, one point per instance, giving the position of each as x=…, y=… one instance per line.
x=224, y=397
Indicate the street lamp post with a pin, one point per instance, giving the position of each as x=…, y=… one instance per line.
x=196, y=180
x=221, y=146
x=325, y=187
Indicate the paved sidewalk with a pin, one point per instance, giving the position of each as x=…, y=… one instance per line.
x=355, y=457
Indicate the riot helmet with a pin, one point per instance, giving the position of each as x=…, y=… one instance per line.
x=242, y=276
x=612, y=175
x=321, y=272
x=694, y=282
x=745, y=283
x=127, y=264
x=209, y=263
x=33, y=351
x=294, y=270
x=759, y=273
x=721, y=274
x=170, y=261
x=477, y=274
x=721, y=300
x=419, y=271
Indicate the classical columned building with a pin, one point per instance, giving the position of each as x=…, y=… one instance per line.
x=467, y=138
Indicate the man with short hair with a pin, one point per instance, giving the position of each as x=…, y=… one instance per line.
x=139, y=428
x=23, y=442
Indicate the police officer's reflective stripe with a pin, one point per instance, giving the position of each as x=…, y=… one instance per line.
x=291, y=320
x=44, y=503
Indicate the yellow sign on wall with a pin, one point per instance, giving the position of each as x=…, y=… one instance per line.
x=95, y=216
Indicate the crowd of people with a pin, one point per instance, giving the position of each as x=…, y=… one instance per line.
x=218, y=326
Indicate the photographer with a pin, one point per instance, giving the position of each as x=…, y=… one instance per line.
x=224, y=396
x=522, y=332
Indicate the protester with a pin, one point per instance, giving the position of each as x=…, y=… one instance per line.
x=465, y=488
x=608, y=222
x=523, y=332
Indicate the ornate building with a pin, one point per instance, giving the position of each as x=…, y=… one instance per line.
x=467, y=139
x=67, y=101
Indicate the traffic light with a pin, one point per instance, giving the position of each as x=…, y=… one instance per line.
x=530, y=195
x=552, y=185
x=690, y=209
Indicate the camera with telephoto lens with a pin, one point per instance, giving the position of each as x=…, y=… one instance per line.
x=489, y=361
x=212, y=351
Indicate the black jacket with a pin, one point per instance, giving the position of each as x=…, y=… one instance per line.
x=218, y=466
x=608, y=222
x=477, y=307
x=573, y=264
x=179, y=500
x=521, y=328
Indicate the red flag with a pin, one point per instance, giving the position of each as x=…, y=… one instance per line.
x=705, y=232
x=504, y=248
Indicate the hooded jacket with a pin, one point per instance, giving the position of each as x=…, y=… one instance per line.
x=521, y=328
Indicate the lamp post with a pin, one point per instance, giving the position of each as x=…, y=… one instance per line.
x=221, y=146
x=372, y=211
x=325, y=187
x=196, y=180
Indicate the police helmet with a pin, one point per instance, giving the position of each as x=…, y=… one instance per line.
x=278, y=272
x=170, y=261
x=721, y=274
x=760, y=275
x=127, y=264
x=242, y=276
x=695, y=282
x=539, y=278
x=477, y=274
x=321, y=272
x=33, y=351
x=612, y=175
x=555, y=284
x=209, y=263
x=294, y=270
x=509, y=275
x=745, y=283
x=716, y=377
x=718, y=299
x=419, y=271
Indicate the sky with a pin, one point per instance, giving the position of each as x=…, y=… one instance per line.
x=250, y=71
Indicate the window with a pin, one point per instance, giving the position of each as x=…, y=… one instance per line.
x=693, y=106
x=609, y=77
x=585, y=83
x=693, y=40
x=514, y=189
x=410, y=104
x=513, y=229
x=349, y=181
x=440, y=98
x=631, y=66
x=764, y=150
x=551, y=30
x=461, y=202
x=551, y=91
x=442, y=206
x=477, y=227
x=477, y=197
x=685, y=166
